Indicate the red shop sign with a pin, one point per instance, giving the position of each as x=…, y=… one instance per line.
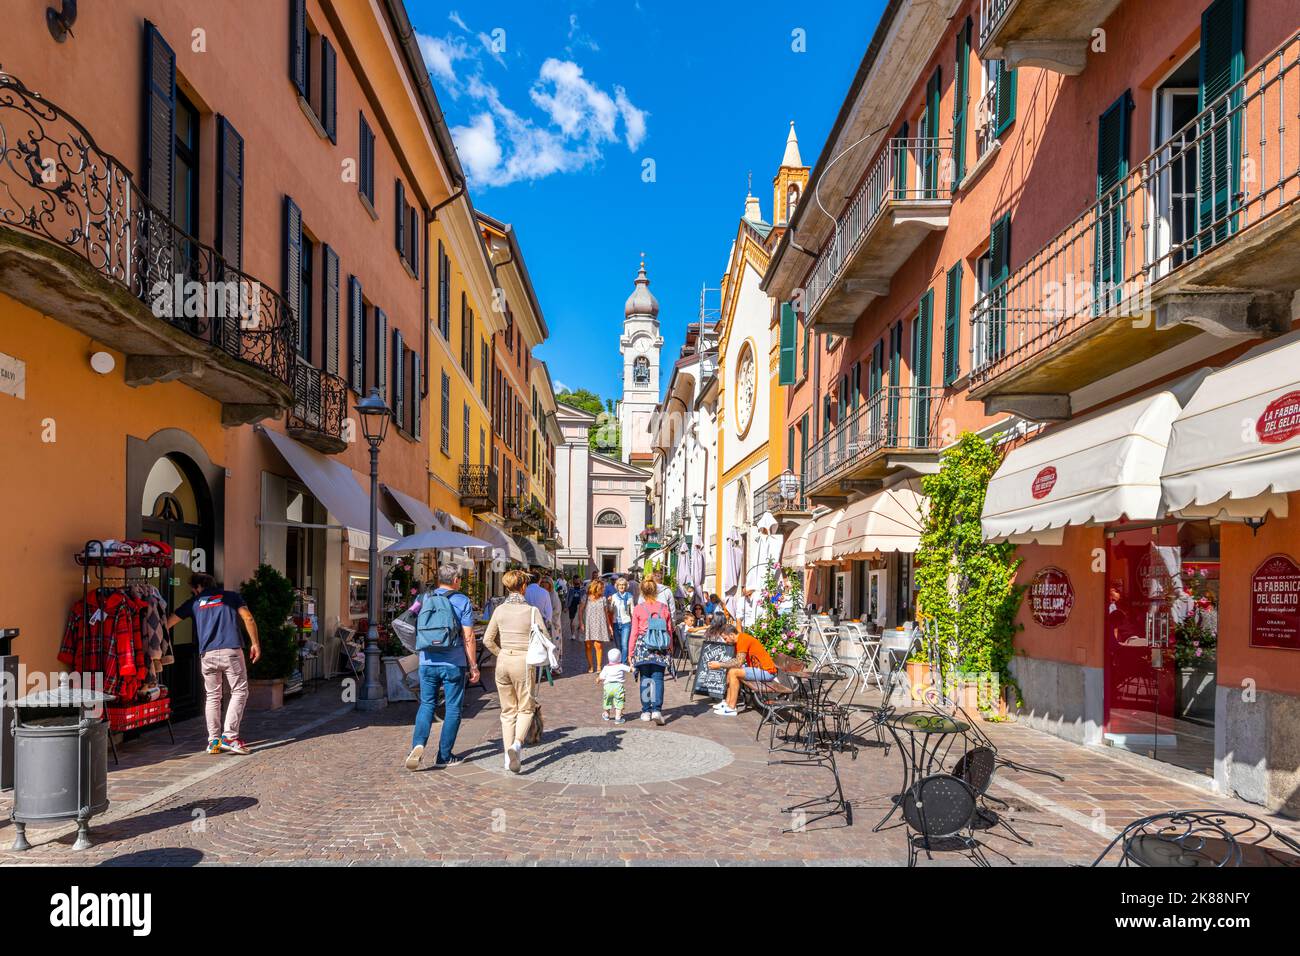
x=1044, y=482
x=1051, y=597
x=1275, y=604
x=1281, y=420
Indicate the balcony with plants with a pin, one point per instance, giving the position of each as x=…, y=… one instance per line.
x=1199, y=236
x=81, y=243
x=906, y=195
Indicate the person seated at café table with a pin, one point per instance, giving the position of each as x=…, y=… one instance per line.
x=751, y=663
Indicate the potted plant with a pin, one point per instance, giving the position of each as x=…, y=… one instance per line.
x=1196, y=642
x=394, y=654
x=270, y=599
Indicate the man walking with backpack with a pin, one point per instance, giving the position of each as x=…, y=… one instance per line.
x=444, y=639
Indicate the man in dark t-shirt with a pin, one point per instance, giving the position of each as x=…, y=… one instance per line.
x=216, y=615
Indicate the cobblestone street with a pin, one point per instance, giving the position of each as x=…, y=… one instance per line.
x=326, y=784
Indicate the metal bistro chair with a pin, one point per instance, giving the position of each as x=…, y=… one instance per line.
x=826, y=638
x=897, y=648
x=813, y=733
x=865, y=648
x=775, y=700
x=940, y=813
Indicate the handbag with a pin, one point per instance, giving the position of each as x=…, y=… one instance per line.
x=541, y=649
x=534, y=735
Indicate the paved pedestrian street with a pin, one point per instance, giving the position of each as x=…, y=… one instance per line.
x=326, y=784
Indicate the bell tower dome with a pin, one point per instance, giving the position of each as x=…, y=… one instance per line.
x=640, y=346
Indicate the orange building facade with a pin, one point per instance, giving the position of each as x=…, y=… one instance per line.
x=1075, y=236
x=292, y=155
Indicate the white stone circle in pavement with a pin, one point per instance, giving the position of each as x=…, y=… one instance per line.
x=614, y=755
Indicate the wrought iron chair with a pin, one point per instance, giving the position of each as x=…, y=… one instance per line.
x=812, y=733
x=940, y=812
x=1201, y=838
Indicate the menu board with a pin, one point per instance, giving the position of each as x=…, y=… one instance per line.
x=1051, y=597
x=1275, y=604
x=712, y=682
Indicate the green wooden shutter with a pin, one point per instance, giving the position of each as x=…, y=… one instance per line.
x=1222, y=63
x=330, y=308
x=999, y=270
x=230, y=194
x=292, y=261
x=329, y=90
x=785, y=374
x=1112, y=168
x=900, y=164
x=356, y=336
x=159, y=119
x=298, y=45
x=922, y=357
x=930, y=133
x=952, y=326
x=895, y=373
x=807, y=344
x=1006, y=99
x=959, y=93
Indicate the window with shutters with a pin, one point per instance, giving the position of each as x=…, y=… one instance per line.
x=366, y=162
x=414, y=398
x=1112, y=168
x=294, y=276
x=230, y=194
x=465, y=432
x=397, y=401
x=313, y=70
x=466, y=336
x=356, y=336
x=788, y=343
x=484, y=363
x=952, y=326
x=922, y=351
x=378, y=359
x=444, y=442
x=185, y=182
x=444, y=292
x=997, y=105
x=406, y=229
x=961, y=71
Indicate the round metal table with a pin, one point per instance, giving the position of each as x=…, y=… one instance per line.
x=926, y=735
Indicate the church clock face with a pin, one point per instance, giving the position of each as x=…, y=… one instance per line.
x=744, y=386
x=642, y=345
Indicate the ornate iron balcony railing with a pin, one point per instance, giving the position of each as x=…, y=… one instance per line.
x=907, y=170
x=477, y=485
x=896, y=418
x=58, y=185
x=1226, y=171
x=320, y=405
x=783, y=494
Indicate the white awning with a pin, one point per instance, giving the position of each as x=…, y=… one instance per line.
x=502, y=544
x=1092, y=471
x=886, y=521
x=792, y=553
x=417, y=511
x=333, y=485
x=818, y=548
x=534, y=554
x=1235, y=447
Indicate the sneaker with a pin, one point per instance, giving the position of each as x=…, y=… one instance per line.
x=619, y=720
x=449, y=762
x=234, y=745
x=645, y=715
x=512, y=757
x=606, y=717
x=413, y=758
x=658, y=718
x=725, y=711
x=214, y=745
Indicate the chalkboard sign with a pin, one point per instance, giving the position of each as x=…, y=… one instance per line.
x=713, y=682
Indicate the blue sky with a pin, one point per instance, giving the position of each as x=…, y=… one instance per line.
x=557, y=107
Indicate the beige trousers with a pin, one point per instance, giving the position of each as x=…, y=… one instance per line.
x=224, y=665
x=514, y=680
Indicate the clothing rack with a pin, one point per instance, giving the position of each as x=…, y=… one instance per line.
x=136, y=567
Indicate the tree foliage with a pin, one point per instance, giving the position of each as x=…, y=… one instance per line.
x=606, y=436
x=967, y=589
x=270, y=599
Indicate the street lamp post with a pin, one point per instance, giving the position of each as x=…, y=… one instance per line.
x=374, y=425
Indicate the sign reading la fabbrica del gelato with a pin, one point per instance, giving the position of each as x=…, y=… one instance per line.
x=1051, y=597
x=1275, y=604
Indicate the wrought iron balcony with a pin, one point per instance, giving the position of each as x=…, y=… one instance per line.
x=1048, y=34
x=518, y=511
x=1198, y=236
x=81, y=243
x=897, y=424
x=320, y=410
x=906, y=195
x=478, y=487
x=782, y=496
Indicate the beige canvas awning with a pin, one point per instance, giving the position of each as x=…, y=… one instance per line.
x=886, y=521
x=818, y=549
x=1234, y=451
x=792, y=553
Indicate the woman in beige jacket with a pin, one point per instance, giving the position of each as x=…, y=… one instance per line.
x=507, y=637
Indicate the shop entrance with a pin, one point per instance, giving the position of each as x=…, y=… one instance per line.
x=174, y=510
x=1161, y=641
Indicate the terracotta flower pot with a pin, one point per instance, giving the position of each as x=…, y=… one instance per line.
x=920, y=678
x=265, y=694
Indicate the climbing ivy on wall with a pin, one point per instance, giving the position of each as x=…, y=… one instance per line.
x=967, y=589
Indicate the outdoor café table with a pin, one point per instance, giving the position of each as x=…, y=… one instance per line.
x=818, y=736
x=1201, y=838
x=926, y=733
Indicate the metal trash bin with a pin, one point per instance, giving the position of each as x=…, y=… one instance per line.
x=60, y=761
x=8, y=693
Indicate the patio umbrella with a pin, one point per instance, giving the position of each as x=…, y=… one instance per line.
x=731, y=569
x=684, y=563
x=436, y=540
x=697, y=565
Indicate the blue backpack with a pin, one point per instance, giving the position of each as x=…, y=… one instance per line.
x=438, y=626
x=656, y=637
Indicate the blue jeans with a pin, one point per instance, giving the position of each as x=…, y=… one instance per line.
x=451, y=678
x=622, y=633
x=652, y=686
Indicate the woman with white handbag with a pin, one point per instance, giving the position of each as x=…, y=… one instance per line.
x=517, y=635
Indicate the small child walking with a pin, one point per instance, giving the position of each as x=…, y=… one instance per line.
x=611, y=676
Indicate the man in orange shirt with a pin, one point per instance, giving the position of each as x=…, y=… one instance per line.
x=752, y=662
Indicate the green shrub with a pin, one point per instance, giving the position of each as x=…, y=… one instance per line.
x=270, y=599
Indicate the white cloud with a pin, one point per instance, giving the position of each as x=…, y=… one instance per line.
x=440, y=56
x=454, y=17
x=579, y=39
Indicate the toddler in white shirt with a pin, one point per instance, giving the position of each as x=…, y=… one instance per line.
x=611, y=676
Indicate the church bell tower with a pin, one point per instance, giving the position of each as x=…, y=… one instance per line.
x=640, y=346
